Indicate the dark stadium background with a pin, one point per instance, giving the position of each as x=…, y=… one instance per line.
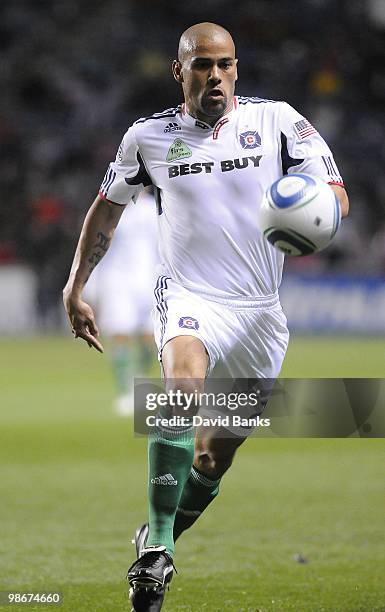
x=74, y=75
x=307, y=534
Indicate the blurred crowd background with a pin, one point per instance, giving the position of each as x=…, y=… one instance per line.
x=75, y=74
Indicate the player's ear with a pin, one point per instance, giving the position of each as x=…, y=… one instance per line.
x=236, y=70
x=177, y=71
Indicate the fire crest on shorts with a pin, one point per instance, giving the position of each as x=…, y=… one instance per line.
x=188, y=323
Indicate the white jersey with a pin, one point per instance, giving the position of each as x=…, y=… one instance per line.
x=134, y=248
x=209, y=184
x=121, y=288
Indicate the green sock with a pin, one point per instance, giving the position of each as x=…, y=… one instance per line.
x=123, y=359
x=198, y=493
x=170, y=456
x=147, y=357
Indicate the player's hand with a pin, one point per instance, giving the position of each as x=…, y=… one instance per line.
x=82, y=321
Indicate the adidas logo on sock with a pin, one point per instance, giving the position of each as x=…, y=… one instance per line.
x=167, y=479
x=172, y=127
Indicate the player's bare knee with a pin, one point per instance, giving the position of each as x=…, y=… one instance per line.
x=184, y=395
x=184, y=357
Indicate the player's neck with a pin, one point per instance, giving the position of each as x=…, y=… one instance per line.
x=206, y=119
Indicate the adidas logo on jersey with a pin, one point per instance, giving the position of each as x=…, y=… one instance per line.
x=172, y=127
x=167, y=479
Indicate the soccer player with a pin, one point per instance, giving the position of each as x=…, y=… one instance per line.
x=123, y=301
x=210, y=161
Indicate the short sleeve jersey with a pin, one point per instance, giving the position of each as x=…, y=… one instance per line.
x=209, y=183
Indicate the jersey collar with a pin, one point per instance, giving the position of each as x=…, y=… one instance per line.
x=201, y=125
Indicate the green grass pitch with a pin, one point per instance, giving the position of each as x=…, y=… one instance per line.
x=73, y=490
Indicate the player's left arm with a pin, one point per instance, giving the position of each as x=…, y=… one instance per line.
x=304, y=150
x=343, y=198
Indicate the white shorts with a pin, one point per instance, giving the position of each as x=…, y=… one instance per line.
x=122, y=305
x=243, y=338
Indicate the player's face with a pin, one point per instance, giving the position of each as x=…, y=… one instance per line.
x=208, y=77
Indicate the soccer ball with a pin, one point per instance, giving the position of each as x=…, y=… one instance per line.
x=300, y=214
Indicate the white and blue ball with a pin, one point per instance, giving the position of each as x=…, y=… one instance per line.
x=300, y=214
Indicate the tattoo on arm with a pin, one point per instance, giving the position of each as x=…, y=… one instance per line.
x=100, y=248
x=103, y=243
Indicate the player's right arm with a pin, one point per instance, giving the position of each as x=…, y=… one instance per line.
x=122, y=183
x=95, y=239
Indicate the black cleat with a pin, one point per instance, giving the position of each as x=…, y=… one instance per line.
x=149, y=576
x=144, y=600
